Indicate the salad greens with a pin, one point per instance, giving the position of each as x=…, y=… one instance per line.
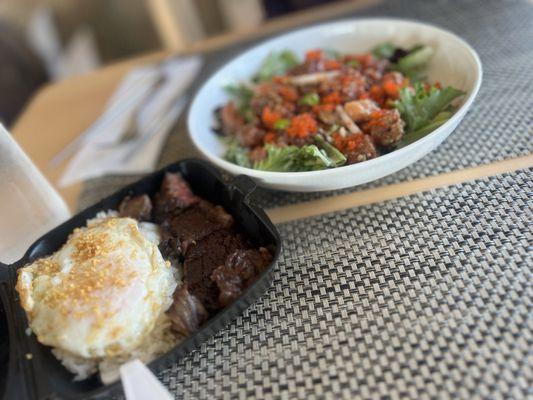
x=413, y=64
x=237, y=154
x=294, y=159
x=282, y=123
x=309, y=99
x=413, y=136
x=420, y=109
x=331, y=151
x=276, y=64
x=384, y=50
x=410, y=63
x=289, y=158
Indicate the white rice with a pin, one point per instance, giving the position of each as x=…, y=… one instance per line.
x=160, y=340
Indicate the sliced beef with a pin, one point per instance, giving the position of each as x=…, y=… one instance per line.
x=199, y=221
x=173, y=196
x=170, y=249
x=203, y=257
x=138, y=207
x=240, y=270
x=186, y=313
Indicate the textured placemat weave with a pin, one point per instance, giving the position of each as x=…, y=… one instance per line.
x=499, y=126
x=428, y=296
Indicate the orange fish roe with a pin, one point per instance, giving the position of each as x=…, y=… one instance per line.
x=346, y=80
x=347, y=143
x=376, y=94
x=270, y=137
x=338, y=141
x=288, y=93
x=269, y=117
x=353, y=142
x=376, y=120
x=313, y=55
x=302, y=125
x=332, y=98
x=323, y=107
x=331, y=65
x=391, y=88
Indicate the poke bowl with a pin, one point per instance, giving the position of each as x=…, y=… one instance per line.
x=337, y=104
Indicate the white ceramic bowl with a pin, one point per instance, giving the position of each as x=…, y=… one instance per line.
x=454, y=63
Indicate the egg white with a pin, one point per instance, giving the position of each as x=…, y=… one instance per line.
x=101, y=293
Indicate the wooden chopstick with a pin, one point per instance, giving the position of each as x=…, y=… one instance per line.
x=345, y=201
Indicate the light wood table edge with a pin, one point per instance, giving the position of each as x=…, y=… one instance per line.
x=359, y=198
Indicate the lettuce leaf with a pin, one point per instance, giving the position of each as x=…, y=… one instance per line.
x=413, y=136
x=331, y=151
x=414, y=63
x=420, y=108
x=236, y=154
x=294, y=159
x=384, y=50
x=276, y=64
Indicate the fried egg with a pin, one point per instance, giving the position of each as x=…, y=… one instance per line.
x=101, y=293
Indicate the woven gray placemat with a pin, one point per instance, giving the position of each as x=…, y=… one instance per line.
x=428, y=296
x=499, y=126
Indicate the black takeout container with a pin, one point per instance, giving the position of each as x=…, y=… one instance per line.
x=32, y=372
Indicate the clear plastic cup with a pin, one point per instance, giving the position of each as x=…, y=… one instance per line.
x=29, y=205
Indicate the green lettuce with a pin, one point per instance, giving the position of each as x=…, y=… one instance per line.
x=418, y=109
x=384, y=50
x=425, y=110
x=413, y=136
x=411, y=64
x=276, y=64
x=294, y=159
x=414, y=63
x=331, y=151
x=236, y=154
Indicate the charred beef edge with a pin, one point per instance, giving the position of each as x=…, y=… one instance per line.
x=172, y=249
